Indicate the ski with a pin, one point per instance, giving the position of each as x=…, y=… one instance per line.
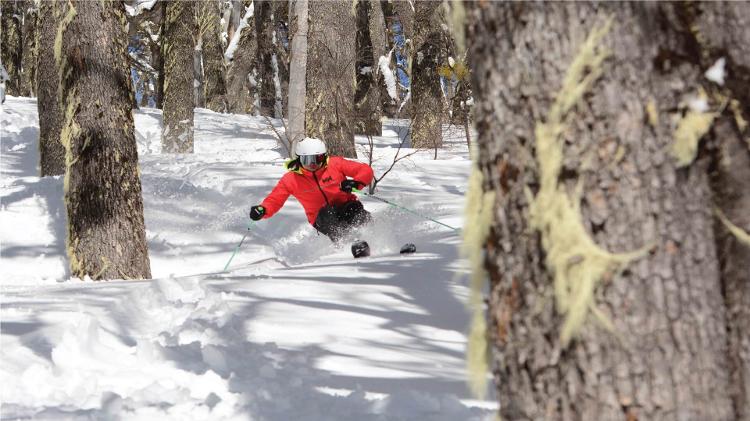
x=362, y=249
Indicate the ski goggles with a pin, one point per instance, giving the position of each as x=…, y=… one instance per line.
x=312, y=160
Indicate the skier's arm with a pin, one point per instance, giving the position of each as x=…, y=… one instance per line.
x=276, y=199
x=358, y=171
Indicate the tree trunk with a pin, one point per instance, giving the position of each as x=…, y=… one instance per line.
x=298, y=20
x=237, y=11
x=241, y=88
x=30, y=50
x=388, y=104
x=106, y=233
x=11, y=44
x=370, y=46
x=426, y=125
x=200, y=100
x=157, y=59
x=177, y=52
x=264, y=35
x=51, y=150
x=281, y=56
x=724, y=35
x=213, y=57
x=329, y=105
x=544, y=127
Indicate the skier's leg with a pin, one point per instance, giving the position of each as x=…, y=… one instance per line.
x=353, y=214
x=328, y=223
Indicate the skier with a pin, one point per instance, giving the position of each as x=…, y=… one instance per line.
x=319, y=182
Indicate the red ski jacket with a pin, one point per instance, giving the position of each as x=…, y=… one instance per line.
x=316, y=189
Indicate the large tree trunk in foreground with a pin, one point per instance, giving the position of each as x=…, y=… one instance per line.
x=329, y=104
x=668, y=355
x=426, y=94
x=106, y=233
x=51, y=151
x=724, y=34
x=177, y=53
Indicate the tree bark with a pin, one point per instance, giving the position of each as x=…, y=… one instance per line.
x=426, y=124
x=264, y=37
x=106, y=233
x=11, y=44
x=666, y=357
x=235, y=15
x=29, y=50
x=241, y=91
x=281, y=46
x=51, y=150
x=370, y=46
x=214, y=72
x=722, y=33
x=329, y=104
x=177, y=52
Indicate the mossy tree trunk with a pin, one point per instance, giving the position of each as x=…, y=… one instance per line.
x=29, y=50
x=329, y=104
x=177, y=53
x=11, y=44
x=51, y=150
x=264, y=36
x=426, y=93
x=214, y=72
x=678, y=344
x=106, y=233
x=370, y=46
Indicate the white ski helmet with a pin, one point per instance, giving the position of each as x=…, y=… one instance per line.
x=310, y=146
x=311, y=153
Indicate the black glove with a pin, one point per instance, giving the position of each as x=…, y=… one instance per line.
x=257, y=212
x=348, y=185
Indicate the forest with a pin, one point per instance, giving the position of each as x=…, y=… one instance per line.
x=547, y=204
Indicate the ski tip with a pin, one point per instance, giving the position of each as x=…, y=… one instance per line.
x=360, y=249
x=408, y=248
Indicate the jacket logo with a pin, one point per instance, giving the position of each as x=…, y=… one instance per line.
x=327, y=179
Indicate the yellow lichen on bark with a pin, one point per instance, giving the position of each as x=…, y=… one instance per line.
x=575, y=261
x=690, y=129
x=653, y=113
x=741, y=235
x=479, y=210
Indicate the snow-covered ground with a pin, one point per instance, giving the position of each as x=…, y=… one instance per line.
x=295, y=330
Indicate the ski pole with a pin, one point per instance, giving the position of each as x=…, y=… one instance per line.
x=250, y=225
x=396, y=205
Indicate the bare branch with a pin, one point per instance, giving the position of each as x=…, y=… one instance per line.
x=282, y=139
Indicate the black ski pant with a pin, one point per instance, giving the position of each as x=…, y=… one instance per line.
x=337, y=221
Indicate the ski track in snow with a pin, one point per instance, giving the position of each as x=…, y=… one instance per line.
x=296, y=330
